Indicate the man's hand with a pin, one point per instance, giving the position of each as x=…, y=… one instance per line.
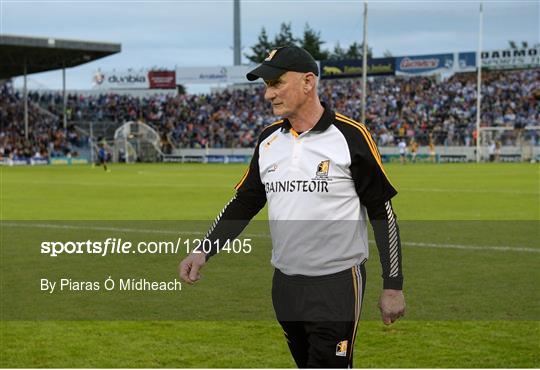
x=392, y=305
x=190, y=266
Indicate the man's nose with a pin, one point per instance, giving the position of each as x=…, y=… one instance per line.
x=269, y=94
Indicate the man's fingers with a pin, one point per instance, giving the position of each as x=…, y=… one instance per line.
x=387, y=320
x=194, y=272
x=184, y=271
x=189, y=268
x=392, y=306
x=389, y=317
x=186, y=268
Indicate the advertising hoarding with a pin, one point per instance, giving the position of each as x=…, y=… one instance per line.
x=133, y=79
x=162, y=79
x=353, y=67
x=466, y=62
x=212, y=75
x=424, y=64
x=511, y=58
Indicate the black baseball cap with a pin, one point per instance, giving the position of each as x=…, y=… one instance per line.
x=283, y=59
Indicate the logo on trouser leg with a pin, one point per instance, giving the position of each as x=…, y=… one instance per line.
x=341, y=348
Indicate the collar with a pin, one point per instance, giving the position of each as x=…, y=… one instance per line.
x=324, y=122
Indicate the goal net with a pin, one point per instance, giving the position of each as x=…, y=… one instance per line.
x=136, y=142
x=508, y=144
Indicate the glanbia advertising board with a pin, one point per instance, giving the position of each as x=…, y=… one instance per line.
x=212, y=75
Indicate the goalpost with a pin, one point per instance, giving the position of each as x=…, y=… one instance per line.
x=510, y=144
x=136, y=142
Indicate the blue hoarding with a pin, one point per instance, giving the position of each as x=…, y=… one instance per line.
x=215, y=158
x=424, y=64
x=466, y=61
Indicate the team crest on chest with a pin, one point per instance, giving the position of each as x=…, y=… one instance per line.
x=322, y=168
x=321, y=172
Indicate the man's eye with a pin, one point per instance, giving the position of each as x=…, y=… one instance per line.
x=273, y=83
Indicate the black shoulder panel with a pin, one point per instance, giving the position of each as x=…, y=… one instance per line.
x=370, y=179
x=270, y=129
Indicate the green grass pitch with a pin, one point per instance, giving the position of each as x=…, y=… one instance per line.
x=471, y=263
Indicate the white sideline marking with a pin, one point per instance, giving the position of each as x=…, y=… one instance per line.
x=175, y=232
x=472, y=247
x=97, y=228
x=123, y=185
x=498, y=191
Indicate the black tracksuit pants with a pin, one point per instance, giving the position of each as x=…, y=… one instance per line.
x=319, y=315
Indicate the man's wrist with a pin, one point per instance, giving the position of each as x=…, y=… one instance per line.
x=206, y=256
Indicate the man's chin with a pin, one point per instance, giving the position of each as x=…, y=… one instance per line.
x=278, y=110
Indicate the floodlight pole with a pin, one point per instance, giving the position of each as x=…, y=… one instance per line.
x=479, y=85
x=237, y=36
x=25, y=100
x=92, y=142
x=64, y=99
x=364, y=66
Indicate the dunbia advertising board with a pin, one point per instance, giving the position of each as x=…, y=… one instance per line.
x=134, y=79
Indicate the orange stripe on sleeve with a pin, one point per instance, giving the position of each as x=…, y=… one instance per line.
x=237, y=186
x=369, y=140
x=363, y=127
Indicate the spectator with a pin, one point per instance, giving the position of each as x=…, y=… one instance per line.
x=398, y=108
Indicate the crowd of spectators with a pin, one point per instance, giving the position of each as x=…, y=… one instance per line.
x=46, y=138
x=424, y=108
x=225, y=119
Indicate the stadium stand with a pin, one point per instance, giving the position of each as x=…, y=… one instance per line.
x=419, y=106
x=26, y=129
x=46, y=137
x=423, y=108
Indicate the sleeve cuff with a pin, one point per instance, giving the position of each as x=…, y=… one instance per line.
x=393, y=283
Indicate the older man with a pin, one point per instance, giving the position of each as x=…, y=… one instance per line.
x=322, y=176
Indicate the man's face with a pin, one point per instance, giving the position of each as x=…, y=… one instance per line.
x=286, y=93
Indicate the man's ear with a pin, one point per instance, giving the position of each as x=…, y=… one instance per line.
x=309, y=82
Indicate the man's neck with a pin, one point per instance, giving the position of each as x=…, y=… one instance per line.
x=307, y=117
